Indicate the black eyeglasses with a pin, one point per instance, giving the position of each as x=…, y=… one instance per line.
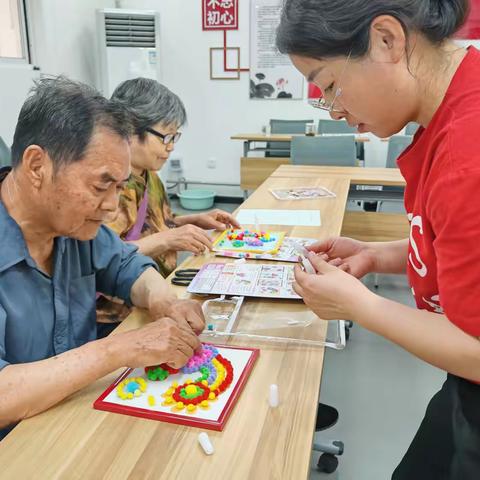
x=166, y=139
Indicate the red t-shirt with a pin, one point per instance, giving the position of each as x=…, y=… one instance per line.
x=442, y=199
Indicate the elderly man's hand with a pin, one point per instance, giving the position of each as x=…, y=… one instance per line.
x=189, y=311
x=331, y=292
x=162, y=341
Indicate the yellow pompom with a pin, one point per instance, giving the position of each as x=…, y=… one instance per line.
x=211, y=396
x=191, y=389
x=179, y=406
x=191, y=407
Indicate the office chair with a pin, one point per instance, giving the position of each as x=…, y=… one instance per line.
x=5, y=156
x=324, y=150
x=396, y=145
x=282, y=149
x=335, y=127
x=411, y=128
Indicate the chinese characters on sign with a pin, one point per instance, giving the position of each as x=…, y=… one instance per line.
x=220, y=14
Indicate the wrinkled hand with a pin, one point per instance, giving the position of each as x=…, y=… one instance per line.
x=187, y=311
x=188, y=238
x=331, y=293
x=216, y=220
x=350, y=255
x=162, y=341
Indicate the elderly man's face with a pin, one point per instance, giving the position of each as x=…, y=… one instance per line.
x=85, y=194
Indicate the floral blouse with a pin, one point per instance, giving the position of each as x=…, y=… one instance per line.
x=159, y=218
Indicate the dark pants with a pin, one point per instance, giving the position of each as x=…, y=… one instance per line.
x=447, y=444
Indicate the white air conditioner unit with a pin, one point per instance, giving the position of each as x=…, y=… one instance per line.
x=128, y=46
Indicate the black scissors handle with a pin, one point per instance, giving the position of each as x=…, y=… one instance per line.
x=183, y=278
x=189, y=273
x=181, y=282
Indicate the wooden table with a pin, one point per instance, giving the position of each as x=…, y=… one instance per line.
x=367, y=226
x=356, y=175
x=251, y=138
x=74, y=441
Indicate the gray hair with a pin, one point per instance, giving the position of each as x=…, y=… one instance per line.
x=60, y=116
x=150, y=102
x=328, y=28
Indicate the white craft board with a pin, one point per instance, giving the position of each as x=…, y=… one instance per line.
x=238, y=359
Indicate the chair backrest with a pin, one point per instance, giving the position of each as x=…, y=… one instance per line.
x=282, y=149
x=396, y=145
x=288, y=126
x=324, y=150
x=5, y=156
x=334, y=126
x=411, y=128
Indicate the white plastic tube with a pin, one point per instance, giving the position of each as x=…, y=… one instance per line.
x=205, y=442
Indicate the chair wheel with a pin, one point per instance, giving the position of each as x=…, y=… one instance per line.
x=327, y=463
x=347, y=334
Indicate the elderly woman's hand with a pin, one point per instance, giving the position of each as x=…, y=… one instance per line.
x=331, y=293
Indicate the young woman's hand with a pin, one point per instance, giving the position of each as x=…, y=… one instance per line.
x=352, y=256
x=331, y=293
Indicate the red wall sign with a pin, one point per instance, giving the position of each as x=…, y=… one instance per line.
x=220, y=14
x=471, y=29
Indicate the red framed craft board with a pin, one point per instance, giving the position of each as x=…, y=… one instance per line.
x=181, y=418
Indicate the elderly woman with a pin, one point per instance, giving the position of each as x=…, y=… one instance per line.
x=144, y=217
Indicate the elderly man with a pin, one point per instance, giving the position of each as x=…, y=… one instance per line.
x=70, y=159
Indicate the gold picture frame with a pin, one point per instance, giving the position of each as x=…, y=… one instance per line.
x=217, y=67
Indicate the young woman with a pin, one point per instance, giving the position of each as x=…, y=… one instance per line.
x=380, y=65
x=144, y=217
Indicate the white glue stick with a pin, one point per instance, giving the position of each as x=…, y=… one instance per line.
x=302, y=253
x=205, y=442
x=307, y=265
x=273, y=399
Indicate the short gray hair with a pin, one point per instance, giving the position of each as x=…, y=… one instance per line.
x=60, y=116
x=150, y=102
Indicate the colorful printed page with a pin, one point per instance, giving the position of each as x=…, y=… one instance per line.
x=301, y=193
x=200, y=394
x=249, y=241
x=246, y=280
x=286, y=253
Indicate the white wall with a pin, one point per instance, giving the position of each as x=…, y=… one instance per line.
x=64, y=42
x=15, y=82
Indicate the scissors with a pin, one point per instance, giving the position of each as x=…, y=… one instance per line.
x=183, y=278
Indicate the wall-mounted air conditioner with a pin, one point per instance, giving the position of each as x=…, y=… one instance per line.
x=128, y=43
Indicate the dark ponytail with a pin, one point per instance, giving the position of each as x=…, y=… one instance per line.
x=328, y=28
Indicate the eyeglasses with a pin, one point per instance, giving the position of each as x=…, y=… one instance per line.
x=324, y=104
x=166, y=139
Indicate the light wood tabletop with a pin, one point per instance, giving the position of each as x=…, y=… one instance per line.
x=74, y=441
x=287, y=137
x=356, y=175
